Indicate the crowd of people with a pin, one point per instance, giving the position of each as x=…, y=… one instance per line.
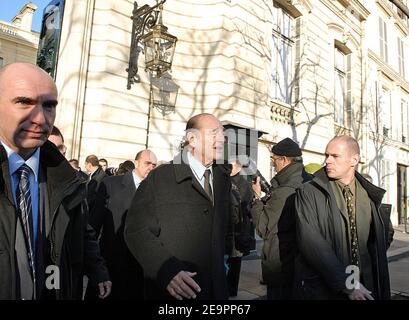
x=177, y=230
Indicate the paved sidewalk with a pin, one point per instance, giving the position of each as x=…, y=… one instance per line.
x=398, y=256
x=250, y=287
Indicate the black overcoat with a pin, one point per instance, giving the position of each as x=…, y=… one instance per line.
x=172, y=226
x=113, y=200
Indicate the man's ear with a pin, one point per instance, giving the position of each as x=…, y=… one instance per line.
x=355, y=160
x=191, y=138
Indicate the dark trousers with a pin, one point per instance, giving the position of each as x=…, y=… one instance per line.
x=279, y=293
x=233, y=275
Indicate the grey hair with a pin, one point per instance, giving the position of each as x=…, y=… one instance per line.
x=295, y=159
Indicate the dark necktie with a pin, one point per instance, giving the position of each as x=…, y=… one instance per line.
x=352, y=225
x=207, y=186
x=24, y=208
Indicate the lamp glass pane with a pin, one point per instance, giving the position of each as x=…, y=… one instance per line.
x=149, y=50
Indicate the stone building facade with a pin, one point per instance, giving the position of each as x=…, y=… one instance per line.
x=17, y=41
x=304, y=69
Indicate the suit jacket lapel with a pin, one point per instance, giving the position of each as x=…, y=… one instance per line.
x=341, y=205
x=128, y=188
x=218, y=184
x=4, y=170
x=128, y=182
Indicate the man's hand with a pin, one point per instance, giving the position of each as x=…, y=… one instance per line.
x=257, y=188
x=360, y=293
x=104, y=289
x=182, y=286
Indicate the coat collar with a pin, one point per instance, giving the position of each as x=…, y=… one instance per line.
x=375, y=193
x=60, y=174
x=181, y=167
x=128, y=180
x=60, y=177
x=5, y=183
x=183, y=172
x=287, y=172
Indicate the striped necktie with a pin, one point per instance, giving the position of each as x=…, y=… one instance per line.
x=24, y=208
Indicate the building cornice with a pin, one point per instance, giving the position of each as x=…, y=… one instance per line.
x=386, y=7
x=357, y=7
x=296, y=7
x=386, y=141
x=18, y=39
x=11, y=33
x=388, y=71
x=358, y=11
x=403, y=28
x=283, y=112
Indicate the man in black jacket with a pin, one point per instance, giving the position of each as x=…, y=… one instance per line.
x=96, y=174
x=275, y=219
x=80, y=174
x=176, y=225
x=108, y=218
x=340, y=231
x=46, y=243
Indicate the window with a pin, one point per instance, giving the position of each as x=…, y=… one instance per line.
x=342, y=88
x=383, y=44
x=403, y=123
x=282, y=55
x=385, y=183
x=385, y=111
x=373, y=107
x=401, y=57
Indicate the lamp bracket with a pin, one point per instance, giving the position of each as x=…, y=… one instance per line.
x=143, y=18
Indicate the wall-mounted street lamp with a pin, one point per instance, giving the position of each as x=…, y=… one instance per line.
x=159, y=45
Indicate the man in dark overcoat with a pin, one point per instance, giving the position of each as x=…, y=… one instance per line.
x=342, y=237
x=176, y=225
x=46, y=244
x=96, y=174
x=113, y=200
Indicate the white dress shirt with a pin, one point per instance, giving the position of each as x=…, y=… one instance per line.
x=199, y=169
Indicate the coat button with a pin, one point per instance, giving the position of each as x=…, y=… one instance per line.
x=206, y=211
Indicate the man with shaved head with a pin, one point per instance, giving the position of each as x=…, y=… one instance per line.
x=45, y=241
x=342, y=237
x=113, y=200
x=176, y=225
